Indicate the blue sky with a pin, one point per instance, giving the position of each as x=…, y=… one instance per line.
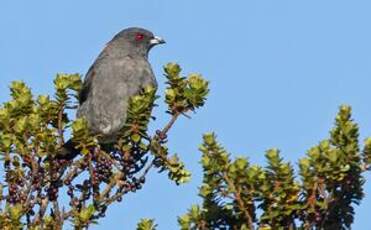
x=278, y=72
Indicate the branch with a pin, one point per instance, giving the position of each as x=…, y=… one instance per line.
x=58, y=215
x=240, y=202
x=171, y=123
x=29, y=188
x=44, y=204
x=60, y=125
x=113, y=182
x=74, y=170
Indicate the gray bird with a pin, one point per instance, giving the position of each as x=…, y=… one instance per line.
x=120, y=71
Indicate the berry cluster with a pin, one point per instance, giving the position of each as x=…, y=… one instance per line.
x=131, y=161
x=102, y=170
x=16, y=183
x=52, y=191
x=14, y=196
x=132, y=185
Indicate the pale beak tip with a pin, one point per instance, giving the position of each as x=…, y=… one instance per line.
x=157, y=40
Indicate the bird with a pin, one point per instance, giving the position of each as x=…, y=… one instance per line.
x=120, y=71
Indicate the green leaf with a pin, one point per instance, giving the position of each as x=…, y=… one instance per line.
x=205, y=190
x=86, y=213
x=135, y=137
x=333, y=156
x=209, y=138
x=146, y=224
x=172, y=69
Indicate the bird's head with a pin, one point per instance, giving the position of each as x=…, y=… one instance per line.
x=136, y=40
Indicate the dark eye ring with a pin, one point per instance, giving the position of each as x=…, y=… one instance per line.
x=139, y=36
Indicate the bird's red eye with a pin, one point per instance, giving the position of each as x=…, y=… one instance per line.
x=139, y=37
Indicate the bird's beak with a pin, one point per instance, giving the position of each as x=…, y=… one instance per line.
x=156, y=41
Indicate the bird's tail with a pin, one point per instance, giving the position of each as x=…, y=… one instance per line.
x=68, y=151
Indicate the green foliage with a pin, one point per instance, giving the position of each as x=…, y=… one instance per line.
x=184, y=93
x=228, y=190
x=279, y=193
x=331, y=184
x=139, y=114
x=32, y=133
x=81, y=135
x=65, y=82
x=331, y=175
x=367, y=152
x=146, y=224
x=26, y=124
x=84, y=216
x=235, y=193
x=11, y=217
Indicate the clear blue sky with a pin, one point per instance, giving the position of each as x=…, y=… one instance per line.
x=278, y=71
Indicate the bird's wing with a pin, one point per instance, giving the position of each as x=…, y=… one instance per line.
x=87, y=84
x=127, y=74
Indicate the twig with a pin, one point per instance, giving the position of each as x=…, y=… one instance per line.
x=74, y=171
x=239, y=200
x=60, y=128
x=57, y=214
x=170, y=124
x=158, y=137
x=113, y=198
x=112, y=183
x=29, y=188
x=41, y=213
x=148, y=168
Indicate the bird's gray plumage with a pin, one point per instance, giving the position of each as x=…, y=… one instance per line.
x=120, y=71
